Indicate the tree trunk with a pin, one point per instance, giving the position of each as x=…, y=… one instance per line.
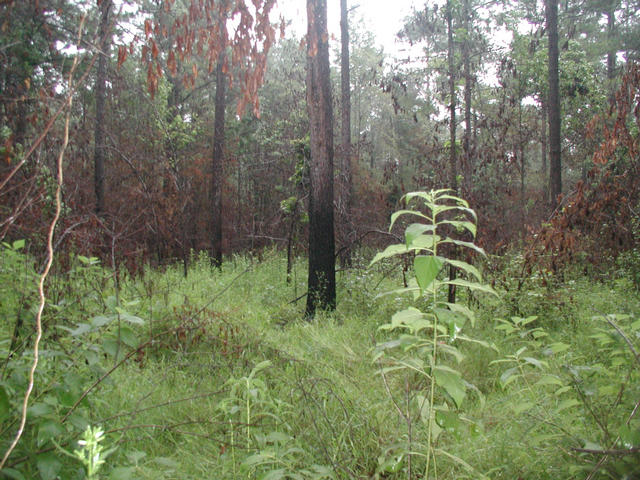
x=217, y=161
x=347, y=180
x=101, y=91
x=611, y=31
x=468, y=85
x=321, y=291
x=452, y=130
x=544, y=147
x=555, y=162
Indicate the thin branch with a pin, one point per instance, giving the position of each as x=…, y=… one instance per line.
x=45, y=273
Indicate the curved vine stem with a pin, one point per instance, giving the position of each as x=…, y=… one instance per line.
x=45, y=272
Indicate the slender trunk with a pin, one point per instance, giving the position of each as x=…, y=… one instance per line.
x=347, y=180
x=101, y=88
x=321, y=284
x=217, y=161
x=544, y=148
x=611, y=51
x=555, y=170
x=452, y=130
x=468, y=85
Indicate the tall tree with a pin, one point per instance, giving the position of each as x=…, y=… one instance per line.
x=555, y=163
x=345, y=127
x=217, y=162
x=104, y=38
x=321, y=291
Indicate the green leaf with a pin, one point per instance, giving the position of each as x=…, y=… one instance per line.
x=122, y=473
x=465, y=267
x=469, y=245
x=479, y=287
x=509, y=376
x=49, y=429
x=424, y=242
x=5, y=405
x=18, y=244
x=427, y=269
x=448, y=420
x=415, y=230
x=566, y=404
x=390, y=251
x=101, y=320
x=128, y=337
x=535, y=362
x=411, y=318
x=11, y=473
x=81, y=329
x=462, y=224
x=397, y=214
x=451, y=382
x=48, y=466
x=629, y=436
x=166, y=462
x=549, y=380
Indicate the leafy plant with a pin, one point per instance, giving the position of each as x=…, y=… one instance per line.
x=426, y=343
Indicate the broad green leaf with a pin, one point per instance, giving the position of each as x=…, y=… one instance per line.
x=101, y=320
x=556, y=348
x=128, y=337
x=478, y=287
x=49, y=429
x=397, y=214
x=535, y=362
x=110, y=346
x=18, y=244
x=390, y=251
x=451, y=382
x=275, y=475
x=565, y=404
x=427, y=269
x=549, y=380
x=509, y=376
x=465, y=267
x=13, y=474
x=414, y=230
x=461, y=309
x=411, y=318
x=126, y=316
x=424, y=242
x=629, y=436
x=462, y=224
x=451, y=350
x=48, y=466
x=448, y=420
x=122, y=473
x=81, y=329
x=40, y=409
x=5, y=406
x=461, y=243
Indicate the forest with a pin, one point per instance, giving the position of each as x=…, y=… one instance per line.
x=253, y=239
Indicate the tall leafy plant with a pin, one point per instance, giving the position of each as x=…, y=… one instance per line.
x=426, y=342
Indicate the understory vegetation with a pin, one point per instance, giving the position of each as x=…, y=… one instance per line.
x=217, y=375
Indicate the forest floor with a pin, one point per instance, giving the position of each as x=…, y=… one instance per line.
x=217, y=375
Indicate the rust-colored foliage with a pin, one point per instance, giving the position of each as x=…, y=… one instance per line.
x=597, y=217
x=202, y=30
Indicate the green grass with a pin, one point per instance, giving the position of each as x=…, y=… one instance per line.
x=319, y=408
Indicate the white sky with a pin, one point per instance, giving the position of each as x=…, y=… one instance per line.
x=384, y=17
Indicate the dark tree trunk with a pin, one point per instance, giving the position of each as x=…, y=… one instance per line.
x=611, y=51
x=101, y=91
x=555, y=162
x=321, y=291
x=217, y=161
x=347, y=180
x=468, y=86
x=452, y=130
x=544, y=148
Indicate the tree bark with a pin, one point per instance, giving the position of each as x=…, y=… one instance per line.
x=555, y=162
x=217, y=162
x=452, y=130
x=347, y=179
x=468, y=86
x=321, y=291
x=101, y=90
